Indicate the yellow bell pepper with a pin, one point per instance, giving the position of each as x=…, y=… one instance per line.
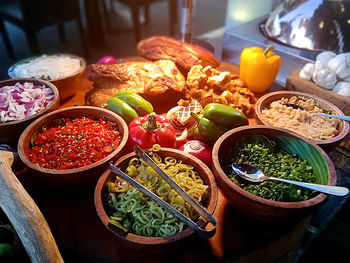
x=259, y=68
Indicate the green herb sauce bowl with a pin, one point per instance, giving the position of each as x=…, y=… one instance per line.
x=260, y=208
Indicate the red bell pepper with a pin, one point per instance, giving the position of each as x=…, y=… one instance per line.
x=151, y=129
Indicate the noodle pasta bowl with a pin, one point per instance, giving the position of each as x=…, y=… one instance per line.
x=136, y=241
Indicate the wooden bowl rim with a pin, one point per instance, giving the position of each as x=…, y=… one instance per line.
x=100, y=111
x=38, y=82
x=141, y=240
x=82, y=65
x=336, y=138
x=301, y=204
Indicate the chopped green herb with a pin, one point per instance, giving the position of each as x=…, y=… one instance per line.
x=276, y=163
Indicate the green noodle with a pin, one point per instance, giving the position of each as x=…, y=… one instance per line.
x=136, y=213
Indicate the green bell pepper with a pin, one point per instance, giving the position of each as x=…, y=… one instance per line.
x=216, y=119
x=208, y=130
x=225, y=115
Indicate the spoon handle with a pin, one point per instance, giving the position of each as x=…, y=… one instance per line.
x=328, y=189
x=345, y=118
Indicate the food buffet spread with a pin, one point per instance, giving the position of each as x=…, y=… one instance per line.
x=195, y=117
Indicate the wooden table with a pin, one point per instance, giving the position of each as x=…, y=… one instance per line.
x=81, y=236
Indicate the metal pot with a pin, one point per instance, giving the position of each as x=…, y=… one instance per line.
x=313, y=25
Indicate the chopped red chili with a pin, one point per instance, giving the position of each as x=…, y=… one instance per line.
x=82, y=141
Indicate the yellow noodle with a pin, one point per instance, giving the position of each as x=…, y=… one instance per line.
x=196, y=195
x=147, y=217
x=141, y=178
x=185, y=167
x=131, y=170
x=170, y=160
x=172, y=170
x=154, y=182
x=120, y=186
x=134, y=161
x=163, y=166
x=150, y=172
x=163, y=190
x=171, y=196
x=156, y=158
x=156, y=148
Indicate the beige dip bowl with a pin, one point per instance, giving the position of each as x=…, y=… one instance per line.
x=328, y=144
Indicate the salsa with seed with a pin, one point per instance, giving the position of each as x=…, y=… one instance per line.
x=81, y=141
x=276, y=163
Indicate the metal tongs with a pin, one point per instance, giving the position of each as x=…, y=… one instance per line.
x=200, y=209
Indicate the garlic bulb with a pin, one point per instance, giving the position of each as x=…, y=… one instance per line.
x=307, y=71
x=324, y=78
x=340, y=64
x=330, y=71
x=323, y=58
x=342, y=88
x=346, y=79
x=319, y=65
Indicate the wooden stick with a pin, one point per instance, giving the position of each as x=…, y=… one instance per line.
x=25, y=216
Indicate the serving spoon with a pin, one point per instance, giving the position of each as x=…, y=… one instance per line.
x=294, y=106
x=253, y=174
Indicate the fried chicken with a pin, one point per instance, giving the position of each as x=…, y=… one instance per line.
x=146, y=78
x=208, y=85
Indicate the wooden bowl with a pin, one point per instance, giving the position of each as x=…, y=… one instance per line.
x=155, y=243
x=260, y=208
x=75, y=178
x=66, y=86
x=10, y=131
x=329, y=144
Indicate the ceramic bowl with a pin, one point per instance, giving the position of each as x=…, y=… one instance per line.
x=67, y=86
x=328, y=144
x=154, y=243
x=75, y=178
x=10, y=131
x=260, y=208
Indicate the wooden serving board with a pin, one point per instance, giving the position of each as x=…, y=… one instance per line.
x=294, y=82
x=82, y=237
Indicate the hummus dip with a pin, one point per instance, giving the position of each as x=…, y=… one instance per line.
x=47, y=67
x=299, y=121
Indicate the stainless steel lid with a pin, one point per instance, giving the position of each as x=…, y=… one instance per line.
x=313, y=25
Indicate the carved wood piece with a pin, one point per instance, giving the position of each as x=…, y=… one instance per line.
x=25, y=216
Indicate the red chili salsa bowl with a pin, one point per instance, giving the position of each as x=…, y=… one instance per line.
x=84, y=151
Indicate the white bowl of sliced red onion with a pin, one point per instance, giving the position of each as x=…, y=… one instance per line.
x=22, y=100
